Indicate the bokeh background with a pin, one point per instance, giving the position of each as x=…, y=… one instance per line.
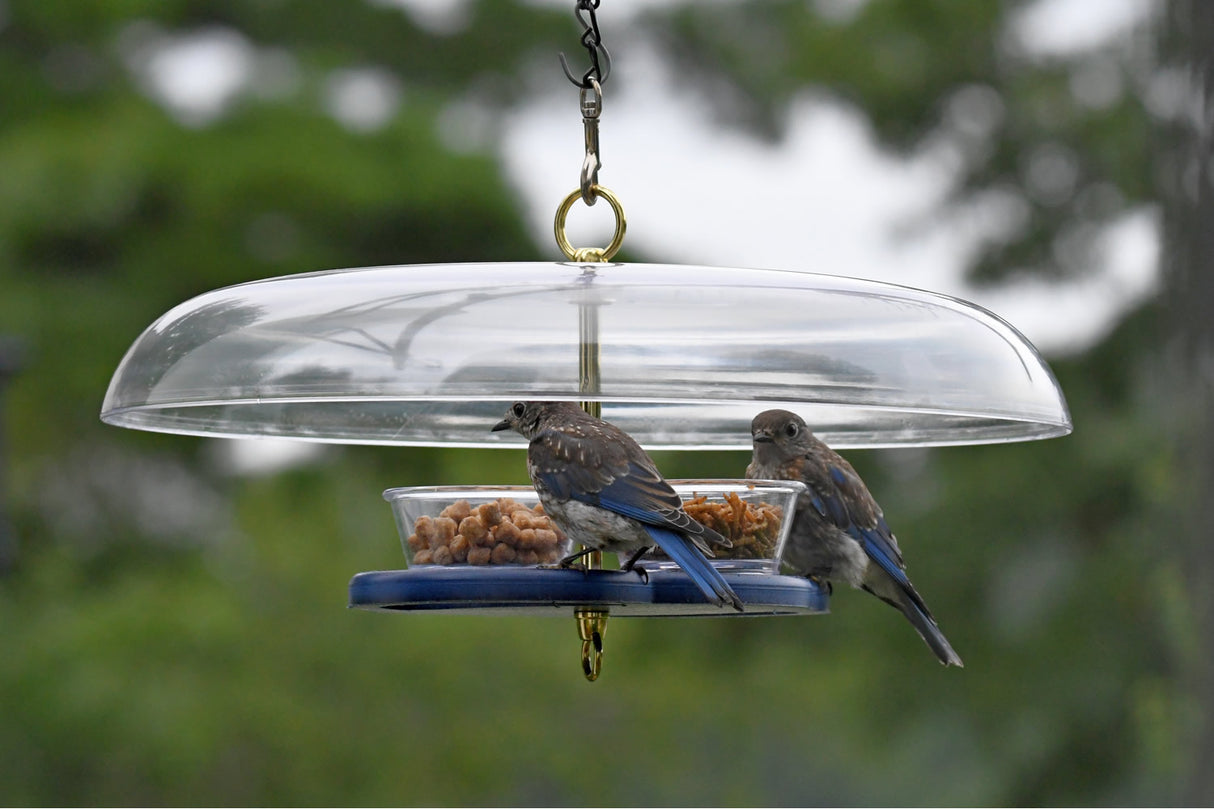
x=173, y=610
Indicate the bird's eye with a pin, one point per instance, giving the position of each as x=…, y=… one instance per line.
x=518, y=410
x=792, y=429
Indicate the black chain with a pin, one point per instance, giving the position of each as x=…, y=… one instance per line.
x=592, y=41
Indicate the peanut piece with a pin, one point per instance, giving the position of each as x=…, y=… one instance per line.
x=473, y=529
x=489, y=513
x=506, y=532
x=444, y=532
x=457, y=510
x=503, y=554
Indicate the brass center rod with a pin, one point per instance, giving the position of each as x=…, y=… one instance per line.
x=591, y=623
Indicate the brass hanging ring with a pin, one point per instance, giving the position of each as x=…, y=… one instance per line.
x=590, y=254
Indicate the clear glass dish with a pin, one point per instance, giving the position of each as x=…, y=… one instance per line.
x=487, y=526
x=755, y=515
x=477, y=526
x=681, y=357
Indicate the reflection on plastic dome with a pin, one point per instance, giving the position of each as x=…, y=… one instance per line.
x=432, y=354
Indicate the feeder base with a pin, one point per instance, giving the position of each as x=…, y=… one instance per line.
x=539, y=591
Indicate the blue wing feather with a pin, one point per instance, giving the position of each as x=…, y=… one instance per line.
x=877, y=545
x=880, y=551
x=834, y=509
x=707, y=578
x=642, y=494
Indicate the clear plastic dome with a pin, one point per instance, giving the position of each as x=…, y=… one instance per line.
x=684, y=356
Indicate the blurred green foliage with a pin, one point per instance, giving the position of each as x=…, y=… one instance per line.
x=176, y=635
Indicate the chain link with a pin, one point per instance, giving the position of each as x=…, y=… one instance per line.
x=592, y=41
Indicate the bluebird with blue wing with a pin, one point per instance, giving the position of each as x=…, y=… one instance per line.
x=603, y=490
x=839, y=533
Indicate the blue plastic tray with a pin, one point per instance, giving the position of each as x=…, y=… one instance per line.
x=541, y=591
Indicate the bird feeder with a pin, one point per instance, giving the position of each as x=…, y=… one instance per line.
x=680, y=357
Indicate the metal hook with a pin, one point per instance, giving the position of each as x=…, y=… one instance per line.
x=591, y=625
x=592, y=107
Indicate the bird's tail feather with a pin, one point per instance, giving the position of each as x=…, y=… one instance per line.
x=892, y=585
x=694, y=564
x=924, y=624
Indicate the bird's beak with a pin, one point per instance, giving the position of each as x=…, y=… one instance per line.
x=504, y=424
x=762, y=438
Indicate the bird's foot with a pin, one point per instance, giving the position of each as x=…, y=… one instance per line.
x=631, y=565
x=823, y=584
x=570, y=562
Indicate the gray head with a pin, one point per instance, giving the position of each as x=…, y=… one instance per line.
x=528, y=418
x=522, y=417
x=778, y=435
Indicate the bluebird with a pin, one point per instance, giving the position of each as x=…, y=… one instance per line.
x=839, y=533
x=598, y=485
